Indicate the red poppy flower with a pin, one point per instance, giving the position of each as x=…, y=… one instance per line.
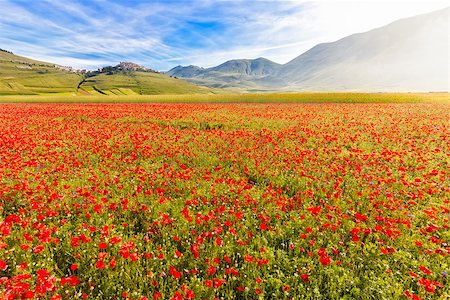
x=100, y=264
x=3, y=265
x=208, y=283
x=174, y=272
x=38, y=249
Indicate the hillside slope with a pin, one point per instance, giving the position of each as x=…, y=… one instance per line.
x=407, y=55
x=140, y=83
x=23, y=76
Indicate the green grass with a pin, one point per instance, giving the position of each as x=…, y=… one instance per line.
x=139, y=83
x=6, y=56
x=96, y=97
x=24, y=76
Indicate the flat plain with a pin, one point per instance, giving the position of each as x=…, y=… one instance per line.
x=226, y=97
x=225, y=200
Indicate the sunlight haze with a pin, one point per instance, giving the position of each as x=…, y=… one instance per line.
x=163, y=34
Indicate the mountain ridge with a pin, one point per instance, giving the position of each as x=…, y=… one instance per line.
x=243, y=73
x=409, y=54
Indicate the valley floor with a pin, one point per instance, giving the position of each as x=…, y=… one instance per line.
x=224, y=97
x=225, y=201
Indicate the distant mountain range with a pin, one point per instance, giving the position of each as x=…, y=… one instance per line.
x=411, y=54
x=243, y=73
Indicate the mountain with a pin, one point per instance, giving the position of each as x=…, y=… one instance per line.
x=407, y=55
x=243, y=73
x=253, y=67
x=410, y=54
x=23, y=76
x=187, y=72
x=256, y=67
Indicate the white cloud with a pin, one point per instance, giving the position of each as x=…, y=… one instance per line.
x=307, y=23
x=154, y=33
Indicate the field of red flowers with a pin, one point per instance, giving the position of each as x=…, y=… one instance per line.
x=226, y=201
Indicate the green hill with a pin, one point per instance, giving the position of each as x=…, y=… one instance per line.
x=23, y=76
x=137, y=82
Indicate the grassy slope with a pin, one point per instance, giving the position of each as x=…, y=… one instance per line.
x=17, y=78
x=139, y=83
x=245, y=98
x=43, y=78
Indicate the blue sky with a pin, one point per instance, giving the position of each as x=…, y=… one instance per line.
x=164, y=33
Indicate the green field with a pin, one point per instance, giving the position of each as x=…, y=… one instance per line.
x=139, y=201
x=238, y=98
x=24, y=76
x=138, y=83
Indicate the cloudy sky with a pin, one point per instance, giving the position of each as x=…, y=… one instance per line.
x=164, y=33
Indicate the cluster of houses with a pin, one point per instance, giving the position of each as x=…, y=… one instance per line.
x=122, y=66
x=70, y=69
x=27, y=67
x=130, y=66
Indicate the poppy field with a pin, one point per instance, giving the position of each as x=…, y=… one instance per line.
x=224, y=201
